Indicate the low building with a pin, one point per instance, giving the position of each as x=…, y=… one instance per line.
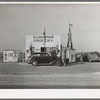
x=10, y=56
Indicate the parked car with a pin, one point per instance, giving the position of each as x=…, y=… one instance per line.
x=43, y=58
x=91, y=57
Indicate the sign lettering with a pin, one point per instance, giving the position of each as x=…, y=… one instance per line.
x=42, y=38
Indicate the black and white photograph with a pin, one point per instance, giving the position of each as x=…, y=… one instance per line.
x=50, y=46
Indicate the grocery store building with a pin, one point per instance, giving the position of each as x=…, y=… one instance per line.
x=37, y=43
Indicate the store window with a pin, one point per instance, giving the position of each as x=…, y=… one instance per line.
x=43, y=49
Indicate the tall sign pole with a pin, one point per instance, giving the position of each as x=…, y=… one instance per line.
x=69, y=43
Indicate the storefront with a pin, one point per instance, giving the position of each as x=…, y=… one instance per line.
x=37, y=43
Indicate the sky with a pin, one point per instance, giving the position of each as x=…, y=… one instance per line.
x=17, y=21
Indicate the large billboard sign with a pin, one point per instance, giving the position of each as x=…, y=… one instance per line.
x=10, y=56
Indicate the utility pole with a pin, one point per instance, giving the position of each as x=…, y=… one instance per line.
x=44, y=33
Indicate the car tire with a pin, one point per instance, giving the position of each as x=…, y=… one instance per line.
x=34, y=63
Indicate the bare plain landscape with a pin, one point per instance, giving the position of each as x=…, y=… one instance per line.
x=22, y=75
